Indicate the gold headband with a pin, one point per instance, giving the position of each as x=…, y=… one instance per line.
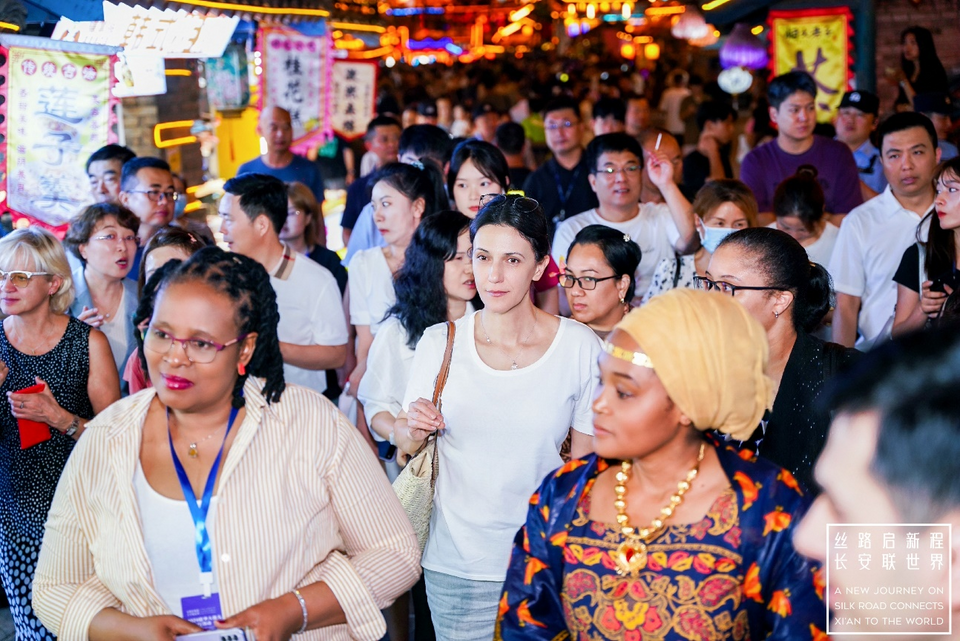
x=637, y=358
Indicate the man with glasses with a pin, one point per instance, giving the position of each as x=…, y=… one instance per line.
x=146, y=189
x=561, y=184
x=615, y=163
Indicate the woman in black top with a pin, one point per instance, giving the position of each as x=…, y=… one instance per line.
x=922, y=71
x=769, y=273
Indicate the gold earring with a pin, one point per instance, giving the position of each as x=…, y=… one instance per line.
x=622, y=301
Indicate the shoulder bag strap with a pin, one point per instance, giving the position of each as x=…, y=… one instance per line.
x=437, y=402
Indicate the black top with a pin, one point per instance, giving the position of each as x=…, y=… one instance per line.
x=928, y=81
x=563, y=198
x=330, y=159
x=696, y=168
x=794, y=433
x=518, y=176
x=908, y=273
x=358, y=195
x=331, y=261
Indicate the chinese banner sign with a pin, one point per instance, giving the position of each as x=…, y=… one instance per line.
x=816, y=41
x=294, y=67
x=354, y=97
x=58, y=112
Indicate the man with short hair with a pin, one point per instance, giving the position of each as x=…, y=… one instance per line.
x=938, y=107
x=511, y=140
x=427, y=112
x=561, y=185
x=104, y=167
x=893, y=457
x=711, y=158
x=609, y=116
x=857, y=118
x=638, y=115
x=486, y=117
x=312, y=329
x=660, y=229
x=793, y=110
x=381, y=139
x=874, y=236
x=147, y=189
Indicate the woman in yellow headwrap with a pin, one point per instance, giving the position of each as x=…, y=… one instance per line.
x=663, y=533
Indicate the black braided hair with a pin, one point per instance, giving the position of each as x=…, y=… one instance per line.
x=246, y=283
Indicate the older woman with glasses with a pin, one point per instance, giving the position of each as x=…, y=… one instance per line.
x=104, y=238
x=56, y=373
x=769, y=272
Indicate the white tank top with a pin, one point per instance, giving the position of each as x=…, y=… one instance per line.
x=168, y=535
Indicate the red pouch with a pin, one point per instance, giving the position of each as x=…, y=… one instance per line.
x=32, y=432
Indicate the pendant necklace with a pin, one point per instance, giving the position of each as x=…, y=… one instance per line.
x=523, y=342
x=192, y=447
x=631, y=556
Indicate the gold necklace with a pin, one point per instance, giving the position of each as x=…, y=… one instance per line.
x=631, y=556
x=523, y=342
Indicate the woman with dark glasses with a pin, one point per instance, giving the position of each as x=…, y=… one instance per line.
x=769, y=272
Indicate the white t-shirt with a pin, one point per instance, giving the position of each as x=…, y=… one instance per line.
x=371, y=288
x=503, y=434
x=652, y=229
x=868, y=250
x=311, y=313
x=821, y=251
x=670, y=104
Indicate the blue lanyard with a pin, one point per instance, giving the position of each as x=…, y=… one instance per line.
x=200, y=509
x=564, y=195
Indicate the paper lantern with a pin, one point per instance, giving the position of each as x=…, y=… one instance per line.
x=710, y=39
x=735, y=80
x=689, y=25
x=651, y=51
x=743, y=49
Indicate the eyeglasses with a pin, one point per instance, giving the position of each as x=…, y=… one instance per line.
x=197, y=350
x=294, y=212
x=587, y=283
x=565, y=124
x=520, y=204
x=702, y=282
x=110, y=238
x=19, y=278
x=610, y=172
x=155, y=194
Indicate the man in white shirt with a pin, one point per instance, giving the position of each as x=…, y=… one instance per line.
x=312, y=330
x=660, y=229
x=874, y=235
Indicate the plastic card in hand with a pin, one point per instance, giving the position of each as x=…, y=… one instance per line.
x=229, y=634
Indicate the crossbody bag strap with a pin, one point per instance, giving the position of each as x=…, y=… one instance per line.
x=437, y=402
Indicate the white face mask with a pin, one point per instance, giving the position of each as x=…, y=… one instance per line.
x=710, y=237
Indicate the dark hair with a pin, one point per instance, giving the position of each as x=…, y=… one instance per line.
x=83, y=225
x=128, y=175
x=260, y=194
x=488, y=160
x=426, y=141
x=247, y=284
x=510, y=137
x=381, y=121
x=784, y=264
x=110, y=152
x=611, y=143
x=170, y=236
x=929, y=61
x=784, y=86
x=421, y=298
x=414, y=182
x=560, y=103
x=802, y=196
x=940, y=248
x=610, y=107
x=714, y=111
x=622, y=254
x=520, y=213
x=903, y=121
x=911, y=382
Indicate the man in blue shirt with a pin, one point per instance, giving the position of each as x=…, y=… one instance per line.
x=938, y=108
x=856, y=120
x=276, y=128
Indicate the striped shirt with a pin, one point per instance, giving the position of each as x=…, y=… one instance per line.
x=301, y=499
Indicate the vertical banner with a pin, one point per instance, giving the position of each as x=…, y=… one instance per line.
x=354, y=97
x=816, y=41
x=227, y=86
x=294, y=68
x=58, y=111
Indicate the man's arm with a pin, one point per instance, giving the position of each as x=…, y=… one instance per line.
x=315, y=357
x=845, y=319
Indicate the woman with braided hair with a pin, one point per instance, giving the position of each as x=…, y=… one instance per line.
x=222, y=498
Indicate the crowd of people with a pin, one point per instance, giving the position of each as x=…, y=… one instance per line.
x=660, y=376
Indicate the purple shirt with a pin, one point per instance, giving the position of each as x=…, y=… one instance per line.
x=767, y=166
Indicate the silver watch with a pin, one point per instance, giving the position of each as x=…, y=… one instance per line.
x=74, y=426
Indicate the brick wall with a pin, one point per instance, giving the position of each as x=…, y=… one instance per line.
x=139, y=117
x=941, y=17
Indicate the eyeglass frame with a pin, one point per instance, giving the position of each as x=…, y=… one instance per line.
x=525, y=200
x=563, y=124
x=183, y=343
x=173, y=195
x=578, y=280
x=5, y=276
x=610, y=172
x=712, y=284
x=127, y=239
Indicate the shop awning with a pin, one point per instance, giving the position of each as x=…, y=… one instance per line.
x=51, y=10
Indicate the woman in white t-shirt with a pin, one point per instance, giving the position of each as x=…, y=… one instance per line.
x=800, y=208
x=402, y=195
x=519, y=380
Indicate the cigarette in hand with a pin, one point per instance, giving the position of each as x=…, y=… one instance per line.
x=657, y=147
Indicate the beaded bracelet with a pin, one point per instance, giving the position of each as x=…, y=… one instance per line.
x=303, y=608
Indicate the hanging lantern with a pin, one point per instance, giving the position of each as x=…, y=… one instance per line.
x=743, y=49
x=651, y=51
x=709, y=39
x=735, y=80
x=690, y=25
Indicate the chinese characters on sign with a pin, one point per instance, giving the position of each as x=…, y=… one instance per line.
x=354, y=97
x=888, y=579
x=57, y=115
x=816, y=41
x=293, y=72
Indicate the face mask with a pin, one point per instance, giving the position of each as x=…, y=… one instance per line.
x=179, y=205
x=710, y=237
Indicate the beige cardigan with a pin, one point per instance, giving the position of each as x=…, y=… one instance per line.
x=301, y=499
